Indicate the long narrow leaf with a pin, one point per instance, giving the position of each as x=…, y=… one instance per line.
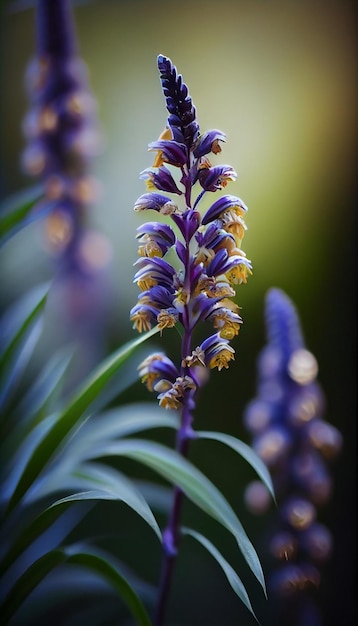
x=108, y=572
x=43, y=566
x=114, y=424
x=158, y=497
x=22, y=546
x=106, y=483
x=19, y=317
x=228, y=570
x=29, y=581
x=46, y=388
x=197, y=487
x=73, y=412
x=16, y=327
x=243, y=450
x=14, y=470
x=37, y=403
x=22, y=209
x=14, y=368
x=33, y=530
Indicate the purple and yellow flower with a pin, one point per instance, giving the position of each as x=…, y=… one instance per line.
x=156, y=202
x=155, y=239
x=206, y=261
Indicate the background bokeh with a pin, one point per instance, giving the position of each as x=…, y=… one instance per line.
x=280, y=79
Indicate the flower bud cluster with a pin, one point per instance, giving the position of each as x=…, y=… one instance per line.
x=60, y=128
x=187, y=270
x=291, y=436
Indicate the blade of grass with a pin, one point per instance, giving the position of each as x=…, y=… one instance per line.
x=232, y=577
x=22, y=209
x=245, y=452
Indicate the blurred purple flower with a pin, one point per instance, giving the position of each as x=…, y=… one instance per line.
x=290, y=435
x=63, y=138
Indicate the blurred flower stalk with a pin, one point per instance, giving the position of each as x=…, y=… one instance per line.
x=63, y=138
x=187, y=272
x=290, y=435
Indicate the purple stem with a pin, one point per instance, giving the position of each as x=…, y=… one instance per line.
x=56, y=29
x=171, y=534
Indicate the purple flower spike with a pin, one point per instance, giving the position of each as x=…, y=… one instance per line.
x=282, y=419
x=179, y=104
x=61, y=130
x=283, y=327
x=62, y=139
x=196, y=286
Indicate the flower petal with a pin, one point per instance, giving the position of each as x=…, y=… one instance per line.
x=208, y=142
x=221, y=205
x=217, y=177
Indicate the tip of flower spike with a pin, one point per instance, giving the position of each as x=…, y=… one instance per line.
x=161, y=58
x=283, y=326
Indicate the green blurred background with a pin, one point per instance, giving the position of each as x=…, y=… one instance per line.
x=280, y=79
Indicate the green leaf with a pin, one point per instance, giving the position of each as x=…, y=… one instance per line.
x=13, y=371
x=37, y=403
x=72, y=413
x=245, y=451
x=97, y=430
x=29, y=581
x=16, y=328
x=44, y=565
x=106, y=483
x=228, y=570
x=18, y=462
x=33, y=530
x=197, y=487
x=19, y=319
x=158, y=497
x=22, y=209
x=107, y=571
x=114, y=424
x=46, y=388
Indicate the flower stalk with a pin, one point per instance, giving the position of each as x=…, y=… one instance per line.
x=198, y=286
